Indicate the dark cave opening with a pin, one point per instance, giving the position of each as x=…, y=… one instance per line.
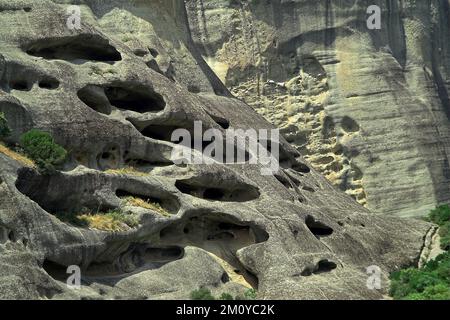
x=137, y=99
x=323, y=266
x=89, y=47
x=238, y=194
x=318, y=228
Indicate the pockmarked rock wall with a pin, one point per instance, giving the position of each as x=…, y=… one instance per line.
x=368, y=108
x=111, y=92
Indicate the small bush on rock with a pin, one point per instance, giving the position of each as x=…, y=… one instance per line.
x=202, y=294
x=42, y=149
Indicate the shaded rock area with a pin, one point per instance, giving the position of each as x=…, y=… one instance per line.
x=367, y=108
x=109, y=93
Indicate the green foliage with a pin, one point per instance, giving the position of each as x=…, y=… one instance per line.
x=432, y=282
x=42, y=149
x=202, y=294
x=226, y=296
x=444, y=232
x=5, y=131
x=440, y=215
x=250, y=294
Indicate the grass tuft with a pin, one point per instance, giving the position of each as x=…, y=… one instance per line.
x=147, y=204
x=114, y=221
x=17, y=156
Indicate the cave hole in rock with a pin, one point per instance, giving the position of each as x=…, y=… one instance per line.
x=168, y=203
x=49, y=84
x=138, y=257
x=225, y=278
x=219, y=235
x=160, y=132
x=230, y=153
x=152, y=64
x=349, y=125
x=55, y=270
x=144, y=165
x=95, y=98
x=20, y=85
x=153, y=52
x=284, y=181
x=323, y=266
x=163, y=254
x=318, y=228
x=224, y=123
x=135, y=98
x=313, y=67
x=309, y=189
x=77, y=49
x=238, y=194
x=109, y=158
x=140, y=52
x=46, y=191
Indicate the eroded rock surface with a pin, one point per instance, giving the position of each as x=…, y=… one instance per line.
x=369, y=109
x=109, y=93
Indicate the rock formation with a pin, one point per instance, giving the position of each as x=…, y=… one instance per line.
x=111, y=93
x=369, y=109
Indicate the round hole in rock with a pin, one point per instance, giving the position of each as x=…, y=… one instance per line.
x=318, y=228
x=225, y=278
x=135, y=98
x=140, y=52
x=224, y=123
x=49, y=84
x=12, y=236
x=153, y=52
x=19, y=85
x=349, y=125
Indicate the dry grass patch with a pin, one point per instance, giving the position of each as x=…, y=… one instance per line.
x=147, y=204
x=127, y=171
x=116, y=221
x=17, y=156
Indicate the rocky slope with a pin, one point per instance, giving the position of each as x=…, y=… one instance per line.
x=368, y=108
x=111, y=93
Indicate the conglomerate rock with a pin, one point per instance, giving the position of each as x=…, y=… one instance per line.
x=369, y=109
x=111, y=93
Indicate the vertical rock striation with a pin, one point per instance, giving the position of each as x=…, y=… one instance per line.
x=368, y=108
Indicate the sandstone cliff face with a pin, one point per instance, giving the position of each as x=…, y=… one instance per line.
x=368, y=108
x=111, y=93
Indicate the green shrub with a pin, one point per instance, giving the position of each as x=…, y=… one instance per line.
x=440, y=215
x=202, y=294
x=5, y=131
x=432, y=282
x=42, y=149
x=226, y=296
x=250, y=294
